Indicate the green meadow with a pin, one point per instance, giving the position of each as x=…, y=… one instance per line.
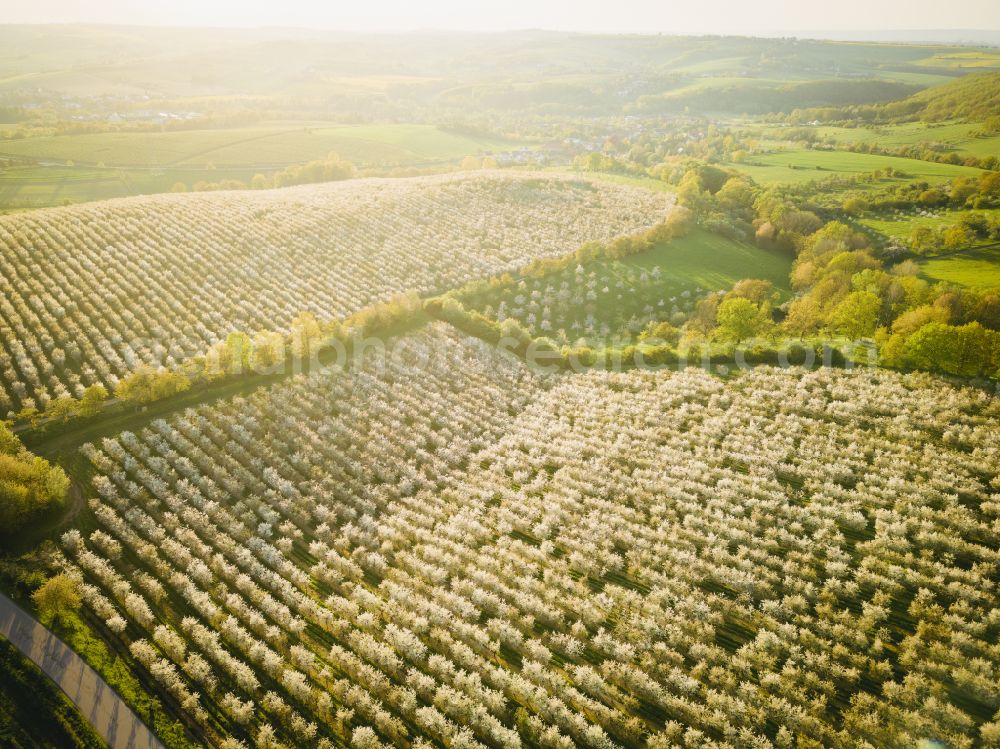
x=254, y=147
x=40, y=186
x=80, y=168
x=710, y=261
x=903, y=224
x=622, y=294
x=799, y=166
x=979, y=268
x=950, y=136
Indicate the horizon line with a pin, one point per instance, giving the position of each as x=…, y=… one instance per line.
x=755, y=33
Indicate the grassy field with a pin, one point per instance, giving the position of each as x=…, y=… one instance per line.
x=34, y=712
x=978, y=268
x=903, y=224
x=955, y=136
x=254, y=147
x=801, y=165
x=710, y=83
x=29, y=187
x=82, y=168
x=615, y=298
x=978, y=59
x=712, y=261
x=916, y=78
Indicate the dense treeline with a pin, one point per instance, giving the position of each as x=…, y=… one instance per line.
x=29, y=485
x=330, y=169
x=844, y=288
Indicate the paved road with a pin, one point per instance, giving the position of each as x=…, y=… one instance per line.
x=98, y=702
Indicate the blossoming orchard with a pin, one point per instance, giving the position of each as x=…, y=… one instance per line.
x=497, y=391
x=90, y=293
x=442, y=547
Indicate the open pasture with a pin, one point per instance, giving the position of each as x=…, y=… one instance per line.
x=902, y=223
x=796, y=166
x=254, y=147
x=977, y=268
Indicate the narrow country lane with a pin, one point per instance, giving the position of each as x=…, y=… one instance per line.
x=98, y=702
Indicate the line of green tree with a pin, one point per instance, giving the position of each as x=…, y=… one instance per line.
x=846, y=292
x=979, y=192
x=844, y=289
x=29, y=485
x=240, y=355
x=330, y=169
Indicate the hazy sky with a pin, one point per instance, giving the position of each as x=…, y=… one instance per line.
x=647, y=16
